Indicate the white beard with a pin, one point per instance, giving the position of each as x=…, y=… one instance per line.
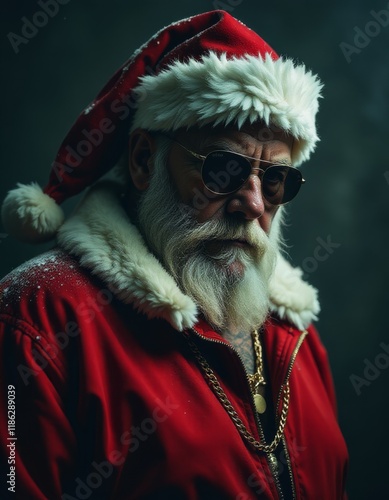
x=229, y=284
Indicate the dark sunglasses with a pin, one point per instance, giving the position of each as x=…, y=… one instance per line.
x=224, y=172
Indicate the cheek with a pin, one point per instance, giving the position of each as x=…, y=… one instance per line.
x=191, y=192
x=211, y=209
x=205, y=204
x=266, y=220
x=217, y=208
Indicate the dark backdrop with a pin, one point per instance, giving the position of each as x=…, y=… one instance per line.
x=53, y=76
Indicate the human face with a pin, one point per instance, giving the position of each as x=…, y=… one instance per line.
x=247, y=203
x=228, y=283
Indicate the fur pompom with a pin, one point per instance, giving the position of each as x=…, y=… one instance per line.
x=30, y=215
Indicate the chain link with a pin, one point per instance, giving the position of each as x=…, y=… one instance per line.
x=211, y=377
x=258, y=377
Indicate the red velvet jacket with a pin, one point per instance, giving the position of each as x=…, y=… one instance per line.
x=111, y=402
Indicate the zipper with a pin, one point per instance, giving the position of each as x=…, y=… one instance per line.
x=287, y=377
x=270, y=457
x=291, y=363
x=273, y=466
x=289, y=465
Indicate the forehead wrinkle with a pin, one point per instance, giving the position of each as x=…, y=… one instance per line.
x=218, y=143
x=232, y=144
x=235, y=146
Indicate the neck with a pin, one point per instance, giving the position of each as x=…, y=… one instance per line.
x=242, y=342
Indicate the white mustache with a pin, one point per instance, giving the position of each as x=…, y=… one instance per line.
x=224, y=229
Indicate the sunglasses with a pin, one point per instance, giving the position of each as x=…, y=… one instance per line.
x=224, y=172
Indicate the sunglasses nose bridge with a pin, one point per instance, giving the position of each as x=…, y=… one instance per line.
x=252, y=185
x=257, y=171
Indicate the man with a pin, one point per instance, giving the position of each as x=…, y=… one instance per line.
x=165, y=348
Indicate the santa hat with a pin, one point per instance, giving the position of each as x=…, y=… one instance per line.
x=207, y=69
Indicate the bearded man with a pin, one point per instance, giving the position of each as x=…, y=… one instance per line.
x=165, y=348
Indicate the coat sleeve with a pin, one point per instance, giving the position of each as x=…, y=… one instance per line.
x=36, y=434
x=322, y=364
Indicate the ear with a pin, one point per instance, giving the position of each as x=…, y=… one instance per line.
x=141, y=148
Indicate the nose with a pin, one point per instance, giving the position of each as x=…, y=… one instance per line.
x=248, y=200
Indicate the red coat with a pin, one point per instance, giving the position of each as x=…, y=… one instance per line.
x=111, y=402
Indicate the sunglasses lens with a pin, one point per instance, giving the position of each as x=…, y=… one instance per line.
x=224, y=172
x=281, y=184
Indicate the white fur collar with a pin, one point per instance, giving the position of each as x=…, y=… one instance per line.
x=107, y=243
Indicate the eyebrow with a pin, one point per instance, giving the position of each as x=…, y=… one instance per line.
x=283, y=161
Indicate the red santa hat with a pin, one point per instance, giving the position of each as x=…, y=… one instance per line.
x=207, y=69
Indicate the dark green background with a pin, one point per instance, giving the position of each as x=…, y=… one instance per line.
x=60, y=70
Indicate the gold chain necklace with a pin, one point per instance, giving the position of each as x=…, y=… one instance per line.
x=217, y=388
x=257, y=379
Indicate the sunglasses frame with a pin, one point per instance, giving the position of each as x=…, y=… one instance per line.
x=203, y=158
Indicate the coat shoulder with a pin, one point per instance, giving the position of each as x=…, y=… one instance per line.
x=47, y=293
x=52, y=272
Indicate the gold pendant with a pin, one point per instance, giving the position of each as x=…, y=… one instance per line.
x=260, y=403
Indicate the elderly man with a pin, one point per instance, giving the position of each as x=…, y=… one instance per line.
x=165, y=348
